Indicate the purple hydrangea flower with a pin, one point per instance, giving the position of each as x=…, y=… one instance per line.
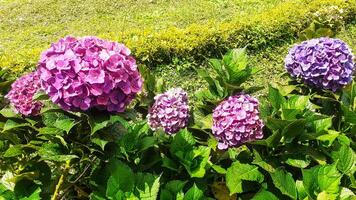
x=79, y=74
x=324, y=63
x=236, y=120
x=170, y=111
x=22, y=92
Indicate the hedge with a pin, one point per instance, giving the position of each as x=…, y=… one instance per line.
x=198, y=41
x=279, y=24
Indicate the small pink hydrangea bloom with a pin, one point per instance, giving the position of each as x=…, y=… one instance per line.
x=22, y=92
x=236, y=121
x=170, y=111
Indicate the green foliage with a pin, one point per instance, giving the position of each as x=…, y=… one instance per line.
x=308, y=149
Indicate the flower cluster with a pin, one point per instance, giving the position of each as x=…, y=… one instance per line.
x=236, y=120
x=22, y=92
x=323, y=63
x=79, y=74
x=170, y=111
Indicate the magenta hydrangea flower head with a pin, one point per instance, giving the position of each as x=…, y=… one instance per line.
x=79, y=74
x=22, y=92
x=323, y=63
x=236, y=121
x=170, y=111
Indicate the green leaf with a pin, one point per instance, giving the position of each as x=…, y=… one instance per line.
x=53, y=152
x=171, y=189
x=284, y=182
x=322, y=124
x=65, y=124
x=346, y=159
x=9, y=113
x=346, y=194
x=194, y=193
x=298, y=102
x=50, y=131
x=101, y=122
x=300, y=161
x=328, y=138
x=121, y=180
x=219, y=169
x=349, y=115
x=13, y=151
x=322, y=178
x=264, y=195
x=11, y=124
x=148, y=186
x=238, y=172
x=40, y=95
x=302, y=194
x=147, y=142
x=183, y=141
x=261, y=163
x=101, y=143
x=275, y=98
x=293, y=129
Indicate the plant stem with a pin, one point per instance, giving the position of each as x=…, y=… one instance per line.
x=60, y=181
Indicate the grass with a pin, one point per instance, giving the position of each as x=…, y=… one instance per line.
x=28, y=27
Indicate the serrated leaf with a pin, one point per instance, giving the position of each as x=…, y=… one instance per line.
x=347, y=194
x=101, y=143
x=50, y=131
x=261, y=163
x=121, y=180
x=65, y=124
x=298, y=160
x=219, y=169
x=101, y=122
x=302, y=194
x=9, y=113
x=322, y=178
x=346, y=159
x=194, y=193
x=328, y=138
x=53, y=152
x=13, y=151
x=264, y=195
x=238, y=172
x=284, y=182
x=171, y=189
x=11, y=124
x=275, y=98
x=148, y=186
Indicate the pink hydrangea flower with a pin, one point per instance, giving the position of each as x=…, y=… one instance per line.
x=79, y=74
x=236, y=121
x=170, y=111
x=22, y=92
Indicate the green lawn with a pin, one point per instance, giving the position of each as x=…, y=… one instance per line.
x=28, y=27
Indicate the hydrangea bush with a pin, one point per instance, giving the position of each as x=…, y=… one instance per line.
x=22, y=92
x=82, y=73
x=324, y=63
x=170, y=111
x=236, y=121
x=226, y=145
